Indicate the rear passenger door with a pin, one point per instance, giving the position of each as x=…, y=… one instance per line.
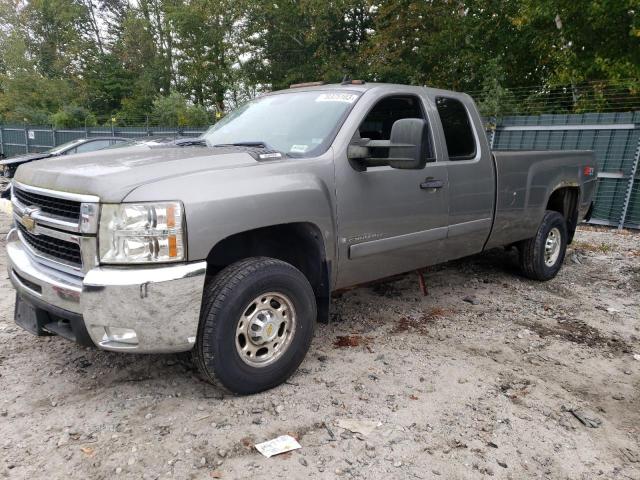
x=471, y=174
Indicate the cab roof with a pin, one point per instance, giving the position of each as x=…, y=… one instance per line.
x=389, y=88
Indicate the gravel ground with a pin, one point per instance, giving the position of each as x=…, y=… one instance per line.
x=489, y=375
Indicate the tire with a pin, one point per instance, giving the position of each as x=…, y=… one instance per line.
x=536, y=261
x=245, y=304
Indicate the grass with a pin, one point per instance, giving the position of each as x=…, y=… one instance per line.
x=601, y=247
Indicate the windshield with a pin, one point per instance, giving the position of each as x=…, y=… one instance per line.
x=65, y=146
x=299, y=124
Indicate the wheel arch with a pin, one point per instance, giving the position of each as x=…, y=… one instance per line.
x=300, y=244
x=565, y=200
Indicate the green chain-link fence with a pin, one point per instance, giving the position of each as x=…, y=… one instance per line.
x=615, y=139
x=18, y=139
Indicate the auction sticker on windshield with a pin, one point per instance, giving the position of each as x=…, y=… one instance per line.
x=299, y=148
x=337, y=97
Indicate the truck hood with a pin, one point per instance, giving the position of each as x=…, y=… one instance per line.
x=113, y=173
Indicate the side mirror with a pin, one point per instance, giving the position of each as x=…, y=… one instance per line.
x=407, y=147
x=409, y=143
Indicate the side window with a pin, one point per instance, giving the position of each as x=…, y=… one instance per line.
x=378, y=122
x=458, y=132
x=92, y=146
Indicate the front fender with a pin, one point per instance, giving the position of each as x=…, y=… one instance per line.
x=222, y=203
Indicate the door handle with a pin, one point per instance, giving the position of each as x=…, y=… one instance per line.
x=430, y=183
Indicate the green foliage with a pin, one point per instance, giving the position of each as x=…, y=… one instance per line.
x=206, y=39
x=587, y=40
x=121, y=59
x=28, y=115
x=73, y=116
x=175, y=110
x=295, y=41
x=107, y=83
x=494, y=99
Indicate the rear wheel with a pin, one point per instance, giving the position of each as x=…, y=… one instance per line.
x=257, y=322
x=542, y=255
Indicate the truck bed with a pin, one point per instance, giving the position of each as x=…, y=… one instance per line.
x=524, y=183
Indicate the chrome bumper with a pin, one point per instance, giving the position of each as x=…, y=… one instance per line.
x=134, y=309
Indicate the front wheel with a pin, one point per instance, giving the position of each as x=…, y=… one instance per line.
x=542, y=255
x=257, y=322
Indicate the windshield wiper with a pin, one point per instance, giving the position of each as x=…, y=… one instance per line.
x=187, y=142
x=259, y=144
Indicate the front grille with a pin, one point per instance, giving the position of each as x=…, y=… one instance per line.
x=54, y=206
x=68, y=252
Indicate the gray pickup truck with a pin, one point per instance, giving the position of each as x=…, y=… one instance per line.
x=231, y=249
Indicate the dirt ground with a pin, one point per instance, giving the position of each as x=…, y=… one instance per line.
x=489, y=375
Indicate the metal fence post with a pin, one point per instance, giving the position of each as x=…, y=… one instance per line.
x=629, y=191
x=494, y=127
x=26, y=139
x=1, y=143
x=53, y=137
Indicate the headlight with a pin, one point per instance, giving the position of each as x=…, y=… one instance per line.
x=141, y=233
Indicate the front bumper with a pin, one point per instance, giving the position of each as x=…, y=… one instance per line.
x=135, y=309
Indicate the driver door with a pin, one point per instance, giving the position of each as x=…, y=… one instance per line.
x=389, y=220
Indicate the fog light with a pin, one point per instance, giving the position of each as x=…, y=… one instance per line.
x=120, y=335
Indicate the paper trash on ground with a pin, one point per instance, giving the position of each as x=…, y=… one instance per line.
x=282, y=444
x=364, y=427
x=6, y=207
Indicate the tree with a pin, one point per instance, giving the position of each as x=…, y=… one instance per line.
x=25, y=95
x=452, y=44
x=206, y=46
x=54, y=36
x=73, y=116
x=175, y=110
x=117, y=57
x=137, y=51
x=588, y=40
x=292, y=41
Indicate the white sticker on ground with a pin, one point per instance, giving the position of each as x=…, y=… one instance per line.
x=337, y=97
x=284, y=443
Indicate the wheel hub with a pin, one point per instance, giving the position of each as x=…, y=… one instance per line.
x=552, y=247
x=265, y=329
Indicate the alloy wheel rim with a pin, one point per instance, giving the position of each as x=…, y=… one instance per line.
x=265, y=329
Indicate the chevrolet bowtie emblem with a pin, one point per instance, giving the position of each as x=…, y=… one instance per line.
x=27, y=221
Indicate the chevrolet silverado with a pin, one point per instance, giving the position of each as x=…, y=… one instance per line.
x=230, y=248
